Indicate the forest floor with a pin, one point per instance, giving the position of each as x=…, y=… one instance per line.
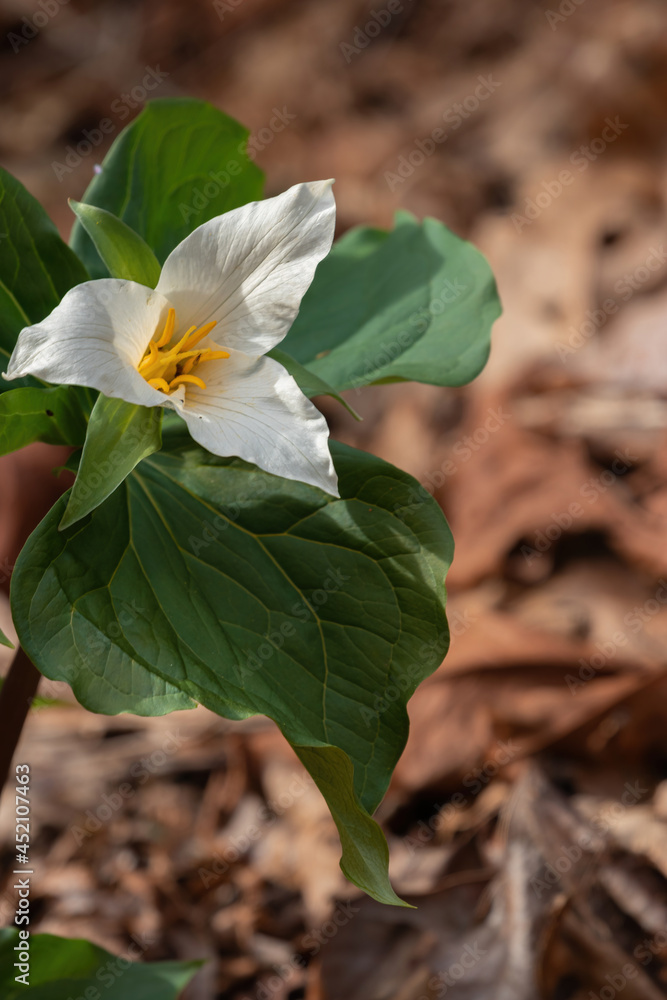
x=527, y=819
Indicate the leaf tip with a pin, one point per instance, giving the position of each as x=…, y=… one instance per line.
x=68, y=519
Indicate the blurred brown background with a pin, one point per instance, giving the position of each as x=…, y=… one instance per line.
x=527, y=819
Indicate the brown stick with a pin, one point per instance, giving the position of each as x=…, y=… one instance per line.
x=16, y=697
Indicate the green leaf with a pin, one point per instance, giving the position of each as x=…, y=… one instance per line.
x=417, y=303
x=180, y=163
x=123, y=251
x=71, y=967
x=309, y=383
x=365, y=857
x=55, y=416
x=4, y=641
x=119, y=435
x=36, y=267
x=253, y=594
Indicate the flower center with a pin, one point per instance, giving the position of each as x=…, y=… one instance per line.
x=166, y=367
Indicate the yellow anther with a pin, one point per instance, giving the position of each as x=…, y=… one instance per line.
x=180, y=347
x=168, y=331
x=159, y=383
x=185, y=379
x=199, y=335
x=150, y=357
x=167, y=367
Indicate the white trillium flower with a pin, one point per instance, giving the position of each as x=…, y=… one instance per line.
x=227, y=294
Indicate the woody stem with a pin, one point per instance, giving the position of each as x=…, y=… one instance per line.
x=16, y=697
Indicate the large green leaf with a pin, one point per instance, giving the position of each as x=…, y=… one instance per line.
x=36, y=267
x=417, y=303
x=178, y=164
x=71, y=967
x=55, y=416
x=253, y=594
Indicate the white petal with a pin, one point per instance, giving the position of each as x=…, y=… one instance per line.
x=95, y=337
x=253, y=408
x=249, y=269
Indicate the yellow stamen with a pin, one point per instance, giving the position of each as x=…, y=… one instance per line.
x=199, y=335
x=159, y=383
x=167, y=367
x=180, y=347
x=168, y=332
x=185, y=379
x=150, y=357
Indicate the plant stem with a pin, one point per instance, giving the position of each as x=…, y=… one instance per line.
x=16, y=697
